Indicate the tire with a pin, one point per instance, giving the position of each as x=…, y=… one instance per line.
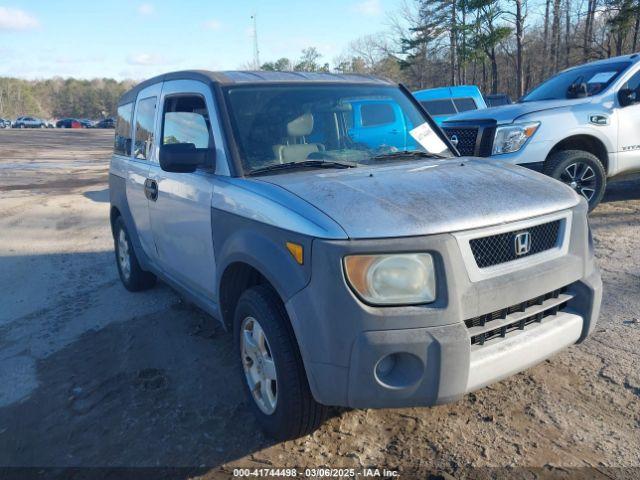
x=133, y=277
x=580, y=170
x=295, y=412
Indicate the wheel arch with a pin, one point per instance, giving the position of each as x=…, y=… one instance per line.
x=120, y=209
x=236, y=278
x=586, y=142
x=249, y=252
x=114, y=213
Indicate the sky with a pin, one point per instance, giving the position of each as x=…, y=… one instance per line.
x=129, y=39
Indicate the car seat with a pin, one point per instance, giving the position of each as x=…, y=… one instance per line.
x=295, y=146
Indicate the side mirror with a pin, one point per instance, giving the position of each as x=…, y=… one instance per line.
x=627, y=97
x=184, y=157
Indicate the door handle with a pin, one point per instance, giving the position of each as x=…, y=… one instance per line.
x=151, y=189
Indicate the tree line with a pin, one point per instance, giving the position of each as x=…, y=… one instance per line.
x=58, y=98
x=503, y=46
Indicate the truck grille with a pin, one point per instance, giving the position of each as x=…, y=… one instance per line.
x=501, y=248
x=499, y=324
x=466, y=138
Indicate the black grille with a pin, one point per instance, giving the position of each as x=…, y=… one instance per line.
x=466, y=138
x=501, y=248
x=486, y=143
x=522, y=320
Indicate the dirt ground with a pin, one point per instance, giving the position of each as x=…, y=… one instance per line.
x=94, y=376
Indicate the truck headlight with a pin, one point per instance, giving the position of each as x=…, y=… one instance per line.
x=511, y=138
x=393, y=279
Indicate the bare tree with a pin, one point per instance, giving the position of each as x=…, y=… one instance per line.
x=555, y=36
x=588, y=30
x=545, y=41
x=567, y=32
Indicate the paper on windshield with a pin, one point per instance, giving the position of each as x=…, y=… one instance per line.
x=602, y=77
x=430, y=141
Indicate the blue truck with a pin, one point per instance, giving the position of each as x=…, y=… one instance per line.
x=371, y=121
x=442, y=103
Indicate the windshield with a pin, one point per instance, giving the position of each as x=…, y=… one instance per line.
x=596, y=78
x=307, y=125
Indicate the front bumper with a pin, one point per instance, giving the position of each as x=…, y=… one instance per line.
x=343, y=341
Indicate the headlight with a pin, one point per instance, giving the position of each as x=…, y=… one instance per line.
x=511, y=138
x=394, y=279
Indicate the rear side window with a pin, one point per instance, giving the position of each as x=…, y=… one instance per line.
x=377, y=114
x=145, y=115
x=439, y=107
x=186, y=120
x=465, y=104
x=122, y=145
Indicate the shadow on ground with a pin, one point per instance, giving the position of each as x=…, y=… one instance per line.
x=100, y=196
x=623, y=189
x=160, y=390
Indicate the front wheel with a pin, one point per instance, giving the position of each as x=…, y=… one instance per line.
x=275, y=378
x=582, y=171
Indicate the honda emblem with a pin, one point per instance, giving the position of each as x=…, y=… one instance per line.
x=522, y=243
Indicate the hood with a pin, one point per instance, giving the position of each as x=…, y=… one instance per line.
x=425, y=198
x=510, y=113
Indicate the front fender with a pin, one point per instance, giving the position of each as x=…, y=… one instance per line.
x=263, y=247
x=556, y=128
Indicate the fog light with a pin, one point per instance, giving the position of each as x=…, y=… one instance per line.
x=399, y=370
x=385, y=365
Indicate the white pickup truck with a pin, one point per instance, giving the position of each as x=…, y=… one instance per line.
x=581, y=126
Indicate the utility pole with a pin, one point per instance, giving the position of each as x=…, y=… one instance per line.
x=256, y=50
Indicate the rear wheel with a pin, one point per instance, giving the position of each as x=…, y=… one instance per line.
x=275, y=378
x=582, y=171
x=133, y=277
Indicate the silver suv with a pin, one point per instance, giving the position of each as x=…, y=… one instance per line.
x=580, y=126
x=351, y=271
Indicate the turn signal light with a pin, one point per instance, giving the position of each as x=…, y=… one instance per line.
x=296, y=252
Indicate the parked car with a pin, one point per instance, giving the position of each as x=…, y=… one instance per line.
x=106, y=123
x=29, y=122
x=5, y=123
x=580, y=126
x=68, y=123
x=351, y=275
x=86, y=123
x=441, y=103
x=497, y=100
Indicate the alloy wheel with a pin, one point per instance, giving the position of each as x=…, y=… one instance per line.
x=582, y=178
x=124, y=258
x=259, y=367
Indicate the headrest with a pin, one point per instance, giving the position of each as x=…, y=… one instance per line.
x=301, y=126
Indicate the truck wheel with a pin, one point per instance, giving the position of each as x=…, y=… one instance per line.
x=582, y=171
x=275, y=378
x=131, y=274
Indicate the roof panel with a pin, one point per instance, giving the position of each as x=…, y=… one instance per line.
x=253, y=77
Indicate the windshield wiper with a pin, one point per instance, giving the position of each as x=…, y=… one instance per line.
x=406, y=154
x=304, y=164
